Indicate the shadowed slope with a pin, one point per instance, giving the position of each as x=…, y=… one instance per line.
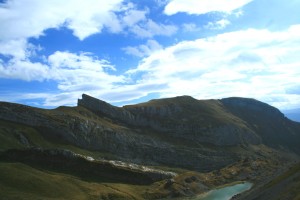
x=268, y=122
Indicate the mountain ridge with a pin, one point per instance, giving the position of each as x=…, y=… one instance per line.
x=161, y=130
x=224, y=140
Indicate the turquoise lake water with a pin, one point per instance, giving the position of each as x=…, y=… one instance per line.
x=225, y=193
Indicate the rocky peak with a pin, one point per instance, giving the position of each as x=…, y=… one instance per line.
x=103, y=108
x=96, y=104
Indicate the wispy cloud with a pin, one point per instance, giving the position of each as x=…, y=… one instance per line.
x=143, y=50
x=203, y=6
x=190, y=27
x=150, y=28
x=133, y=16
x=220, y=24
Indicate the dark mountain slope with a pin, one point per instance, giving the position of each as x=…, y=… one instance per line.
x=269, y=123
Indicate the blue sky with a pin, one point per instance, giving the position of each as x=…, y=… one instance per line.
x=128, y=51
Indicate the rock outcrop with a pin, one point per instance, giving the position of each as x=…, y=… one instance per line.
x=75, y=164
x=101, y=107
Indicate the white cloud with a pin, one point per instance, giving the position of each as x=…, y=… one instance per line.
x=15, y=47
x=81, y=71
x=190, y=27
x=250, y=63
x=136, y=22
x=203, y=6
x=73, y=73
x=23, y=19
x=221, y=24
x=24, y=70
x=65, y=67
x=151, y=28
x=132, y=16
x=143, y=50
x=238, y=13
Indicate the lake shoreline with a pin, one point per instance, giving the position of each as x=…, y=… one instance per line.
x=239, y=186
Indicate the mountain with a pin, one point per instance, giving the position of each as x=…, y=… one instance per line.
x=165, y=145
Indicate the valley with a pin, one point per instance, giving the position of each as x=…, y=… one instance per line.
x=166, y=148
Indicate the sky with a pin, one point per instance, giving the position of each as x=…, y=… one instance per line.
x=131, y=51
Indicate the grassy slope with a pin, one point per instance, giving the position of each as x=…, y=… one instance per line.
x=19, y=181
x=286, y=185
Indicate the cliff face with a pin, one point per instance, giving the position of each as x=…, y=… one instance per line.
x=179, y=132
x=182, y=117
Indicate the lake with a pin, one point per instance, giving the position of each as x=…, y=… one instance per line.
x=224, y=193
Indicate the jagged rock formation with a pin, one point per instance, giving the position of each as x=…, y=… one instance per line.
x=179, y=132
